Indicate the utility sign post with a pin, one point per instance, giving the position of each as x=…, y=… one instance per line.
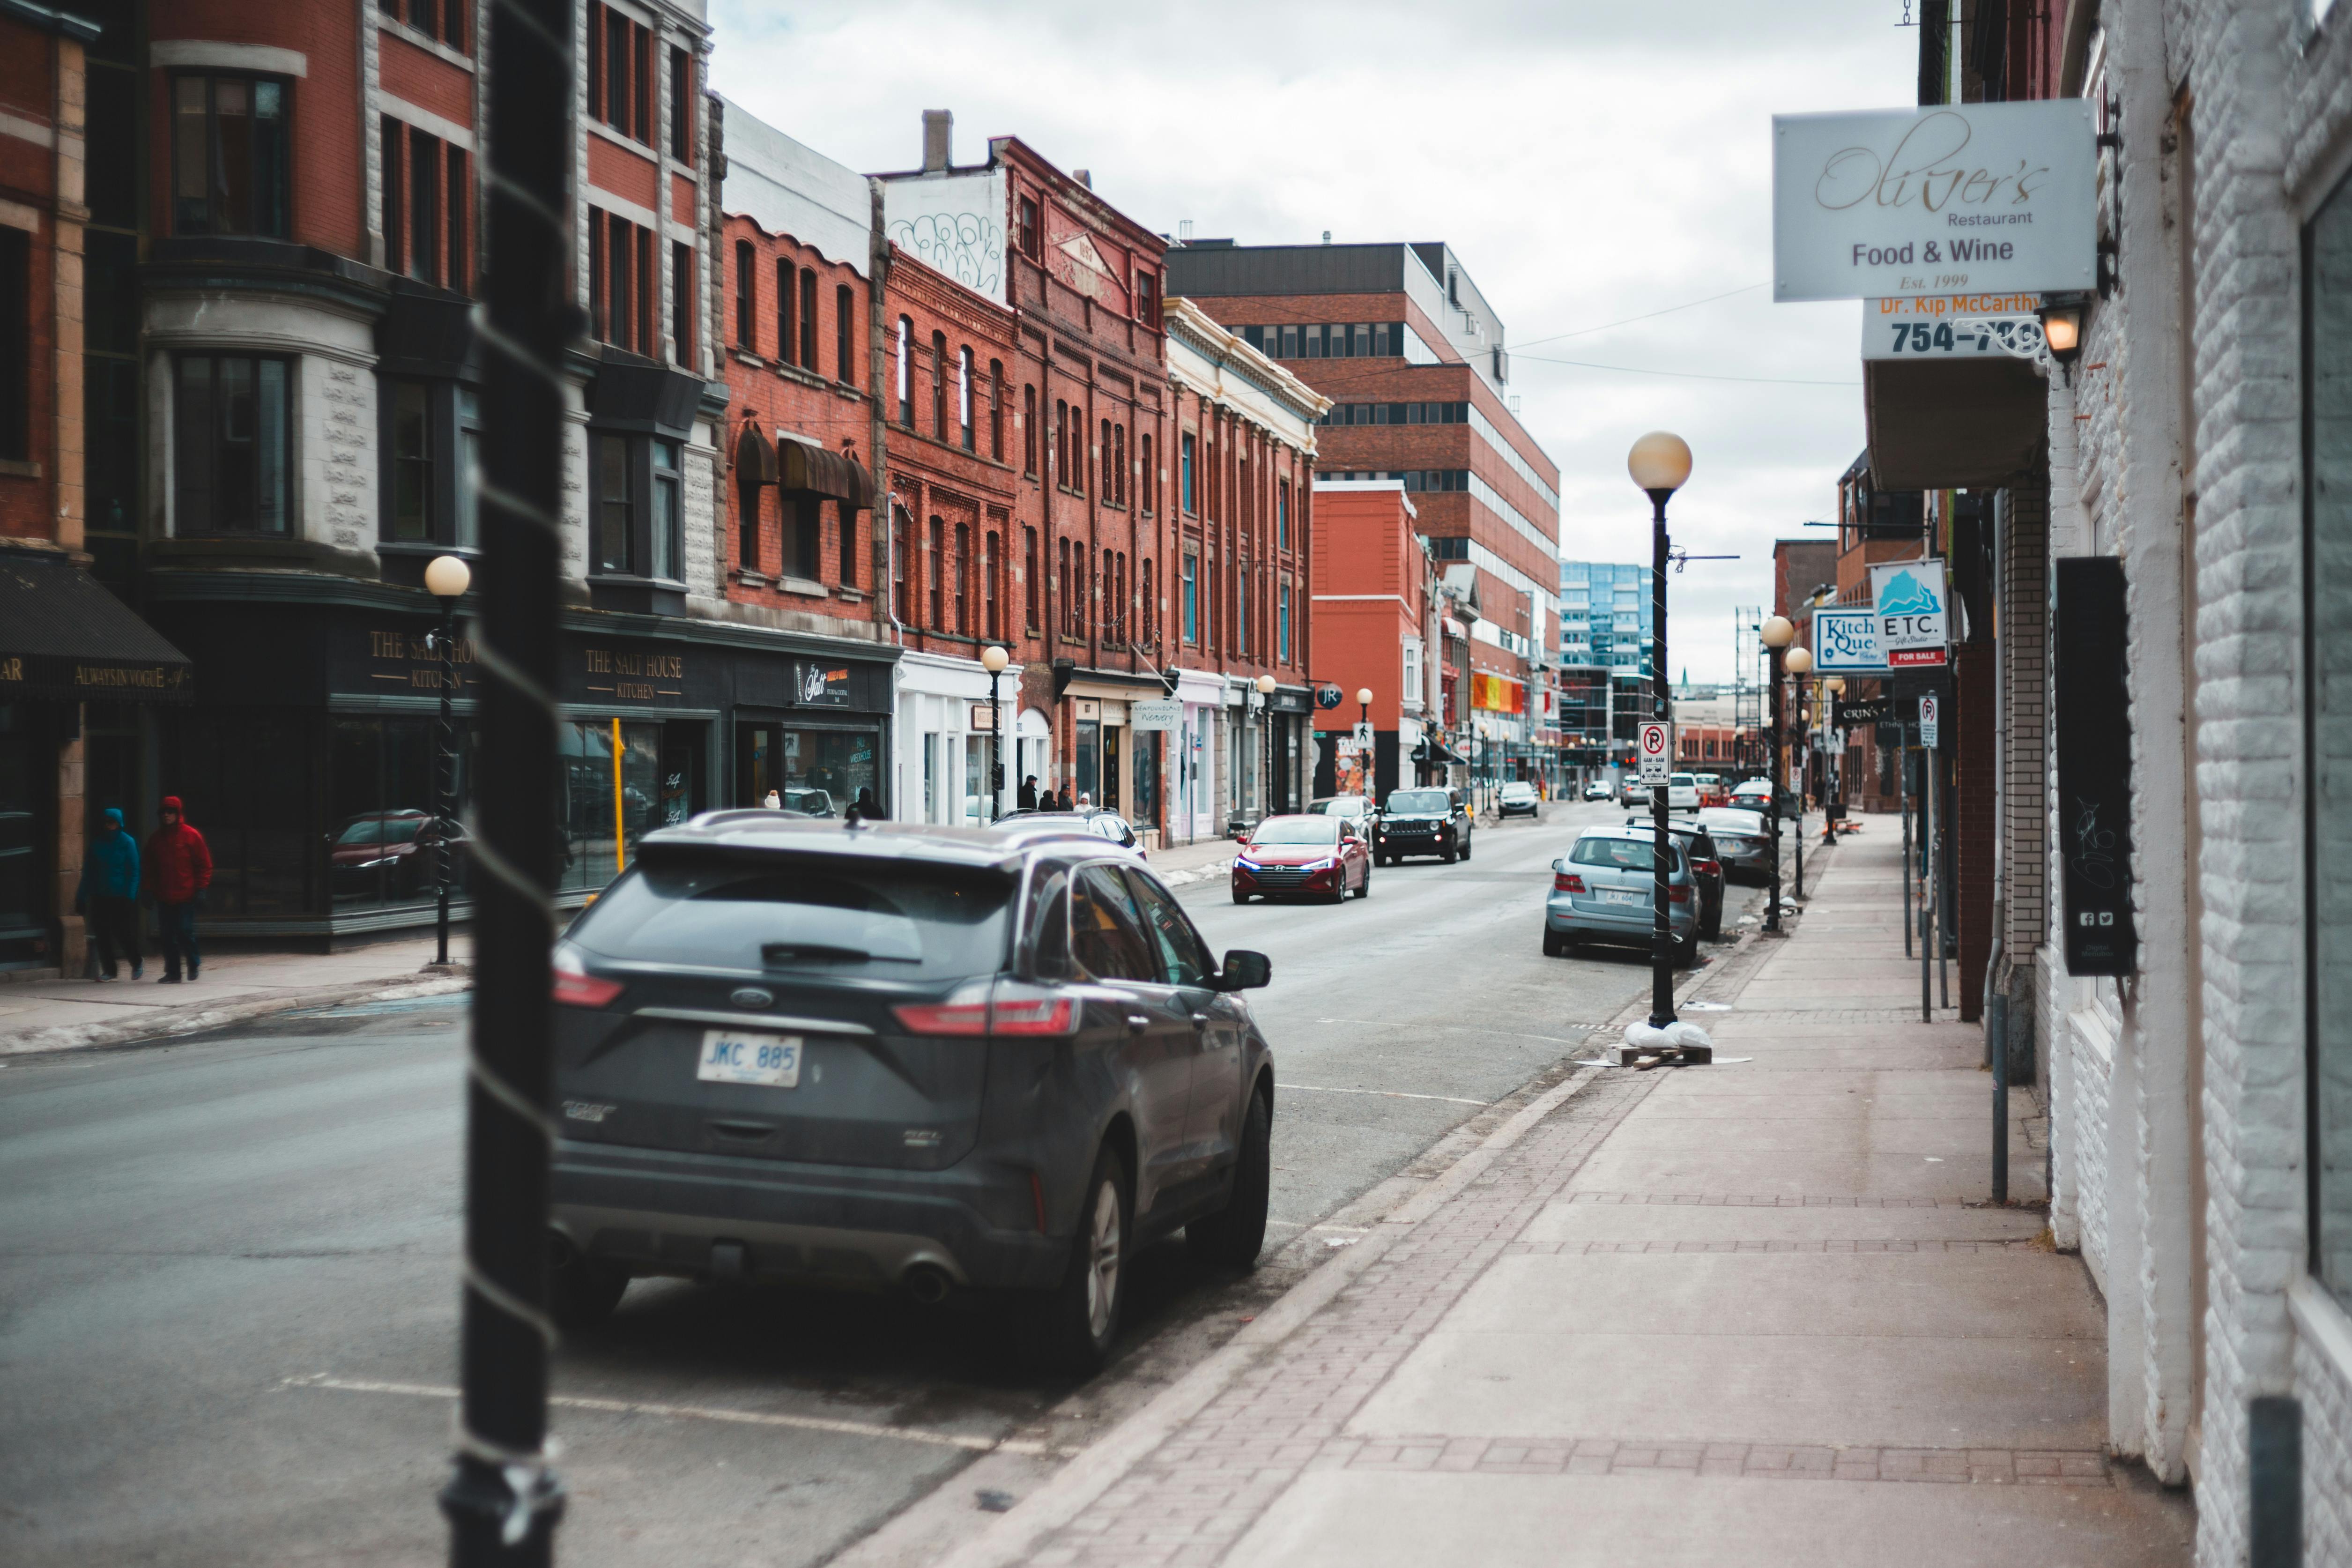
x=1657, y=753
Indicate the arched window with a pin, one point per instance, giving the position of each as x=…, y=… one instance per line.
x=1118, y=467
x=1107, y=483
x=939, y=574
x=963, y=396
x=747, y=295
x=1029, y=578
x=1150, y=480
x=747, y=519
x=1061, y=443
x=787, y=290
x=996, y=409
x=906, y=372
x=845, y=335
x=1151, y=606
x=901, y=546
x=962, y=573
x=992, y=571
x=1028, y=429
x=939, y=386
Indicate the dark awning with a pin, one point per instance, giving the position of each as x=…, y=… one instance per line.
x=755, y=460
x=802, y=468
x=1947, y=424
x=64, y=638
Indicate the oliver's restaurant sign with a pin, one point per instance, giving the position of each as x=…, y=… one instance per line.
x=1948, y=199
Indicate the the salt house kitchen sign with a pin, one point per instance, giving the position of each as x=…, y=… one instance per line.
x=1950, y=199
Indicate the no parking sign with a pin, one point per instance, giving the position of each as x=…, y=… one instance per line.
x=1657, y=753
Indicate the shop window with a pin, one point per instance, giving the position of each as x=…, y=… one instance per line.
x=385, y=826
x=787, y=296
x=821, y=772
x=844, y=341
x=610, y=780
x=231, y=442
x=2328, y=649
x=230, y=141
x=247, y=775
x=681, y=105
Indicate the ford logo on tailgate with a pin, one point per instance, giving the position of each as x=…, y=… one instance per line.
x=750, y=996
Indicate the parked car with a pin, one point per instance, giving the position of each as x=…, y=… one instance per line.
x=1756, y=795
x=1431, y=821
x=1604, y=890
x=1598, y=789
x=900, y=1056
x=1100, y=822
x=1707, y=868
x=1714, y=789
x=1301, y=855
x=1682, y=792
x=1743, y=839
x=1357, y=809
x=1519, y=798
x=392, y=854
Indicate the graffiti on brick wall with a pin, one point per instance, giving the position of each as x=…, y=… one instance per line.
x=967, y=246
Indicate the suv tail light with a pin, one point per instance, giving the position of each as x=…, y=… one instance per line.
x=1021, y=1010
x=571, y=984
x=1679, y=893
x=1567, y=882
x=1711, y=868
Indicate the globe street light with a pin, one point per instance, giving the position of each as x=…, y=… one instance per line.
x=1775, y=634
x=446, y=578
x=1660, y=463
x=994, y=658
x=1798, y=662
x=1264, y=684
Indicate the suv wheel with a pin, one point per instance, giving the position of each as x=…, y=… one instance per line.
x=1234, y=1235
x=1081, y=1317
x=1465, y=846
x=1447, y=854
x=581, y=1292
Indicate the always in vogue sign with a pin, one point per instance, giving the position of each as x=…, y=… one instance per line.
x=1949, y=199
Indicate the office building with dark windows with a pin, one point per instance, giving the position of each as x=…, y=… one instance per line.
x=1412, y=355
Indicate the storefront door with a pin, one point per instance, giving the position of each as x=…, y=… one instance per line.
x=1088, y=767
x=1110, y=769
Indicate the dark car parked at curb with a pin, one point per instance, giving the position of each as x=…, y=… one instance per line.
x=1303, y=857
x=1422, y=822
x=893, y=1056
x=1743, y=840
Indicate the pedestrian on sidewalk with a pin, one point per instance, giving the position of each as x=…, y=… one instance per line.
x=179, y=868
x=1027, y=799
x=109, y=893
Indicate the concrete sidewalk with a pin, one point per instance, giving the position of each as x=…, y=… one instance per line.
x=1750, y=1313
x=71, y=1014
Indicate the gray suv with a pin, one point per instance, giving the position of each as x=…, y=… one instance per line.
x=893, y=1056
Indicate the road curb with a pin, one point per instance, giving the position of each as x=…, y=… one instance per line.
x=1014, y=1536
x=134, y=1031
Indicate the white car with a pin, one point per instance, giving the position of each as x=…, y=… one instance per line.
x=1598, y=789
x=1519, y=798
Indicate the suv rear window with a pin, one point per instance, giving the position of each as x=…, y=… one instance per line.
x=1625, y=854
x=895, y=921
x=1407, y=802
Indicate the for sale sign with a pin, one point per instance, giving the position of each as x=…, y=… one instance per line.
x=1910, y=601
x=1657, y=753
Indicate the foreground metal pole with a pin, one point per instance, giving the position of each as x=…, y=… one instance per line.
x=1662, y=957
x=503, y=1501
x=1903, y=799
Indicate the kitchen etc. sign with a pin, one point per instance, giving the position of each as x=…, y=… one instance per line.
x=1949, y=199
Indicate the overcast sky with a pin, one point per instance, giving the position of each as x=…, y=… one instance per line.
x=1589, y=162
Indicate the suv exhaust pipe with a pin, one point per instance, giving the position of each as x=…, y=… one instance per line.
x=928, y=1284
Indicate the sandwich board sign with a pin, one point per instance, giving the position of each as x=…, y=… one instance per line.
x=1912, y=601
x=1657, y=753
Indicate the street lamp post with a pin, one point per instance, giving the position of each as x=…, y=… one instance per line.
x=1266, y=684
x=1777, y=634
x=1660, y=463
x=446, y=578
x=994, y=658
x=1832, y=780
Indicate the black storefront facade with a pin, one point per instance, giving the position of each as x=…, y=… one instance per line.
x=309, y=761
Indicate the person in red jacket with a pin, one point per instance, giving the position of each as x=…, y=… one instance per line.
x=179, y=868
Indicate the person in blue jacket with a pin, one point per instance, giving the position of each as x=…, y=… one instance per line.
x=109, y=894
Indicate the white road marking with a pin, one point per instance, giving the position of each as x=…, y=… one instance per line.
x=1460, y=1028
x=1382, y=1093
x=703, y=1412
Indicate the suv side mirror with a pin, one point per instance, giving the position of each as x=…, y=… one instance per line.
x=1244, y=971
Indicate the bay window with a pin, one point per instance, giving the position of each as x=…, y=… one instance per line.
x=232, y=445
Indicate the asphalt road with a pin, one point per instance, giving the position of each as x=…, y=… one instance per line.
x=228, y=1285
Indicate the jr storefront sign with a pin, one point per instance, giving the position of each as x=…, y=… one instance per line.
x=1949, y=199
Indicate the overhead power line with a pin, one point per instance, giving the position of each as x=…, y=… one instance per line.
x=1683, y=374
x=1687, y=305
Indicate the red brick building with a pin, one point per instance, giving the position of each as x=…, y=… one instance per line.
x=1087, y=422
x=1375, y=614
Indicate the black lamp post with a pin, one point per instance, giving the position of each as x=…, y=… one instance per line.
x=1265, y=685
x=446, y=578
x=1660, y=462
x=994, y=658
x=1777, y=634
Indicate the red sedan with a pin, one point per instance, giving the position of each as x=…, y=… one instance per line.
x=1319, y=856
